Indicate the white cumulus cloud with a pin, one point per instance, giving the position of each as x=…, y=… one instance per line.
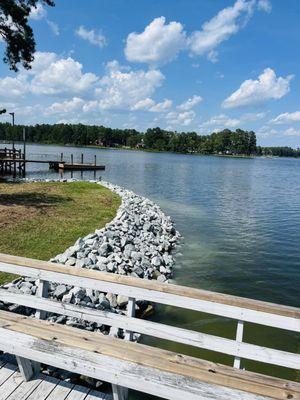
x=190, y=103
x=219, y=122
x=159, y=43
x=255, y=91
x=286, y=118
x=162, y=106
x=292, y=132
x=13, y=88
x=184, y=118
x=225, y=24
x=93, y=37
x=121, y=88
x=60, y=76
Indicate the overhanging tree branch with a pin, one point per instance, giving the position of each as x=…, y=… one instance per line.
x=16, y=31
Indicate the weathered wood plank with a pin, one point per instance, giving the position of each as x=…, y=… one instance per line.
x=6, y=372
x=61, y=391
x=140, y=353
x=10, y=385
x=24, y=390
x=44, y=389
x=129, y=366
x=70, y=277
x=162, y=384
x=78, y=393
x=37, y=268
x=201, y=340
x=25, y=367
x=95, y=395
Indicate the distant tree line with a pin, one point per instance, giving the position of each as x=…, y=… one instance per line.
x=238, y=142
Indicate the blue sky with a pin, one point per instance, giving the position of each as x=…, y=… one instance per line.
x=185, y=65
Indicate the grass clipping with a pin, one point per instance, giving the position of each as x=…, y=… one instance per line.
x=40, y=220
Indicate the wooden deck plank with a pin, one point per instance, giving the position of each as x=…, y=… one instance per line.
x=6, y=372
x=78, y=393
x=95, y=395
x=44, y=389
x=24, y=390
x=61, y=391
x=10, y=385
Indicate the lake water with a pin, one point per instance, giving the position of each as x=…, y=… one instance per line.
x=240, y=219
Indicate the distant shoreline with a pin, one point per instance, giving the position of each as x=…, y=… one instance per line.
x=92, y=146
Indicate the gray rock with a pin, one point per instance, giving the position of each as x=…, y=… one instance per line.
x=122, y=300
x=71, y=261
x=161, y=279
x=67, y=298
x=112, y=298
x=156, y=261
x=60, y=291
x=105, y=249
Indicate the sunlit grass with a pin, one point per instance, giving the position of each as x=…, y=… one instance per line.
x=40, y=220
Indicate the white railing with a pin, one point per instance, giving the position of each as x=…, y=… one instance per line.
x=237, y=308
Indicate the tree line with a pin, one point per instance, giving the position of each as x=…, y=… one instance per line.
x=225, y=142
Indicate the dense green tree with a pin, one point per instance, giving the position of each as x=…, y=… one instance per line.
x=226, y=142
x=16, y=31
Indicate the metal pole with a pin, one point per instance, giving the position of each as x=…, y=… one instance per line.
x=13, y=124
x=81, y=158
x=71, y=158
x=24, y=143
x=95, y=159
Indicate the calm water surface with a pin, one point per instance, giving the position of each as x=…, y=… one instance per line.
x=240, y=219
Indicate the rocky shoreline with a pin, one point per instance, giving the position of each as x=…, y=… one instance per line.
x=138, y=242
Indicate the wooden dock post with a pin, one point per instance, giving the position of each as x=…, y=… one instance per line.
x=95, y=157
x=81, y=158
x=71, y=158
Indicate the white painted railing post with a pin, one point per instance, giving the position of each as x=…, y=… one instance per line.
x=130, y=313
x=42, y=291
x=121, y=393
x=239, y=339
x=27, y=367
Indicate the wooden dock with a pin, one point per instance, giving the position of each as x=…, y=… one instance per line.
x=78, y=166
x=127, y=365
x=42, y=387
x=13, y=162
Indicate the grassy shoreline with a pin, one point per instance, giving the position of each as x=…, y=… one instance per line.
x=40, y=220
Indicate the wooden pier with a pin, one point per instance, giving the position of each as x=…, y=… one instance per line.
x=13, y=162
x=127, y=365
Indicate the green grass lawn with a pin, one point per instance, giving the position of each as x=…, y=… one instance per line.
x=40, y=220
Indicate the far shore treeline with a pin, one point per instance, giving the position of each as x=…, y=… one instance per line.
x=225, y=142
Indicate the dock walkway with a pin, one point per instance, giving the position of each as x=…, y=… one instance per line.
x=43, y=387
